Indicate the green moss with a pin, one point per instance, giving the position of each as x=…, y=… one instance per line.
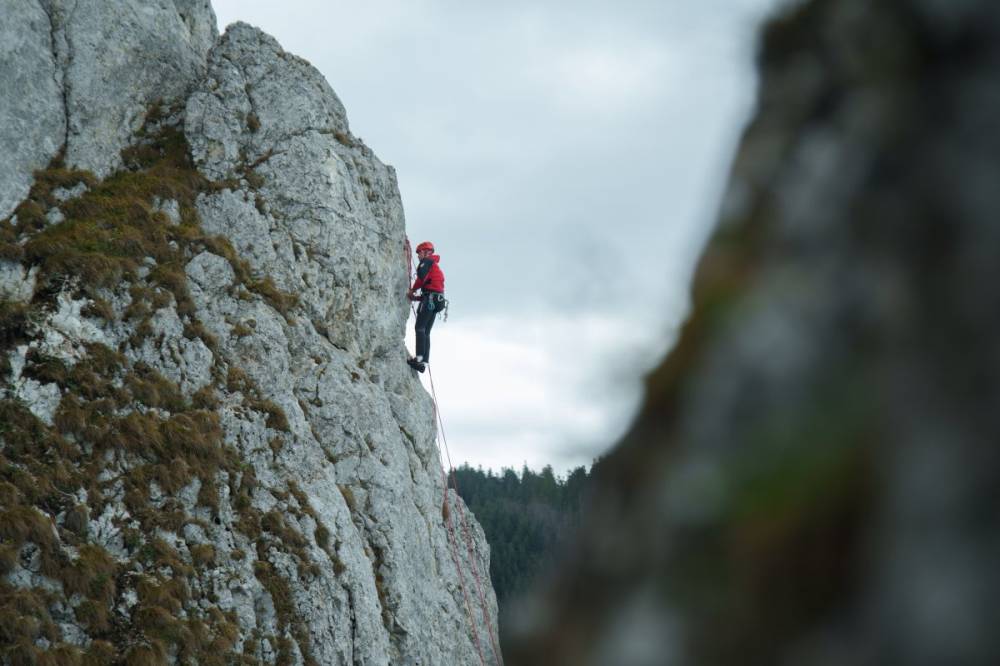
x=168, y=443
x=113, y=228
x=348, y=495
x=101, y=242
x=237, y=381
x=281, y=596
x=99, y=308
x=281, y=301
x=276, y=417
x=45, y=369
x=99, y=653
x=254, y=179
x=114, y=238
x=195, y=330
x=9, y=249
x=77, y=520
x=92, y=574
x=205, y=398
x=152, y=389
x=13, y=323
x=203, y=555
x=153, y=653
x=30, y=213
x=171, y=277
x=20, y=524
x=208, y=496
x=273, y=522
x=94, y=616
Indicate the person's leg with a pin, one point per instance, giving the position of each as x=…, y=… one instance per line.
x=431, y=316
x=421, y=330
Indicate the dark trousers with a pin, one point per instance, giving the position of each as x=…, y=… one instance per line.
x=426, y=314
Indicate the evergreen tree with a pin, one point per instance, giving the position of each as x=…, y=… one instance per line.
x=526, y=519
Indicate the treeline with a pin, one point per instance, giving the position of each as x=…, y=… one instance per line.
x=526, y=518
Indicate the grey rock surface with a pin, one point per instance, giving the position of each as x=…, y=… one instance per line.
x=811, y=478
x=31, y=105
x=316, y=211
x=17, y=283
x=256, y=465
x=118, y=58
x=81, y=75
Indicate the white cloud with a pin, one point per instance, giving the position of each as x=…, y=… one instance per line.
x=546, y=388
x=604, y=79
x=566, y=157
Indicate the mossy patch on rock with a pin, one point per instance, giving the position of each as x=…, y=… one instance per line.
x=122, y=433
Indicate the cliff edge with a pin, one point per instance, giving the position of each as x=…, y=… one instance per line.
x=211, y=449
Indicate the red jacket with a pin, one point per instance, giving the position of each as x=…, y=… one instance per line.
x=430, y=277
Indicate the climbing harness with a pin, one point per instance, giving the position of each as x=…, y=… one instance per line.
x=442, y=303
x=442, y=306
x=436, y=302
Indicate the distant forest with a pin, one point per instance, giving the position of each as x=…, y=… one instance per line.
x=527, y=518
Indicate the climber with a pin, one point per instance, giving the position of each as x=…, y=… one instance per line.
x=430, y=283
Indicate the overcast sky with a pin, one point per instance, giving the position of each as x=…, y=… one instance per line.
x=566, y=158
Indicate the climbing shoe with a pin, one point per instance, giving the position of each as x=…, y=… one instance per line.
x=419, y=366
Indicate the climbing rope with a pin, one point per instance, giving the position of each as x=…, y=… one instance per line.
x=452, y=538
x=408, y=251
x=473, y=560
x=453, y=547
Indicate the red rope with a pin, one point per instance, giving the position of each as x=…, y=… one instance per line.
x=409, y=262
x=458, y=566
x=473, y=560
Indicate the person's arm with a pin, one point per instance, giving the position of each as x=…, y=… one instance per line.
x=423, y=268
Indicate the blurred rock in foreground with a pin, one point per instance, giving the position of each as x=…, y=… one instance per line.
x=812, y=478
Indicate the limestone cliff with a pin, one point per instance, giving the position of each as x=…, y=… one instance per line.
x=211, y=450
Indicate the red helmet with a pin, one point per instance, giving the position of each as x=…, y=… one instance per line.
x=426, y=245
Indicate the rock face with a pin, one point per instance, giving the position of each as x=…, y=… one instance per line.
x=80, y=75
x=300, y=168
x=32, y=104
x=212, y=449
x=811, y=479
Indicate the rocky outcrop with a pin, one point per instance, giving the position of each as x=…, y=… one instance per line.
x=157, y=52
x=80, y=75
x=810, y=480
x=31, y=104
x=321, y=215
x=212, y=448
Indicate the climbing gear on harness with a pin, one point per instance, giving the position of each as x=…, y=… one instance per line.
x=436, y=301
